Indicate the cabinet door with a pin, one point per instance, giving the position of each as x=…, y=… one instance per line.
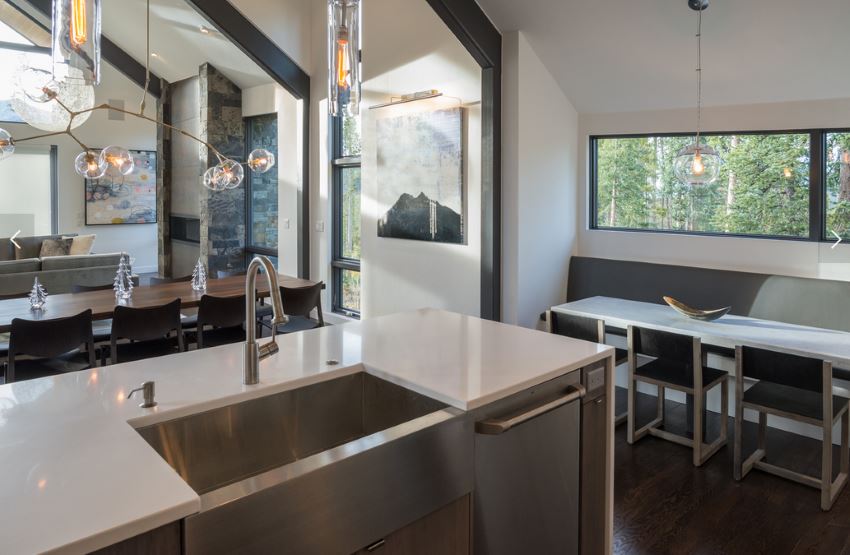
x=445, y=531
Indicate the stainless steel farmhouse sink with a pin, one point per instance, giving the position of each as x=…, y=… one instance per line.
x=326, y=468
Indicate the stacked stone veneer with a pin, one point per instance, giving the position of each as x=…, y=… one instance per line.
x=222, y=213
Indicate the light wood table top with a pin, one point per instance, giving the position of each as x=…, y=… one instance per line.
x=102, y=303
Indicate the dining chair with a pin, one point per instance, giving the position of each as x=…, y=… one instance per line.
x=221, y=274
x=586, y=329
x=797, y=388
x=4, y=337
x=164, y=280
x=677, y=363
x=298, y=305
x=221, y=320
x=149, y=332
x=51, y=347
x=264, y=311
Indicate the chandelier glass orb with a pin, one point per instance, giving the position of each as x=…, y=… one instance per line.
x=89, y=165
x=7, y=145
x=260, y=160
x=118, y=161
x=209, y=180
x=49, y=115
x=697, y=164
x=37, y=84
x=228, y=174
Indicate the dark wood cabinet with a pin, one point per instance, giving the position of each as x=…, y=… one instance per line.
x=445, y=531
x=594, y=455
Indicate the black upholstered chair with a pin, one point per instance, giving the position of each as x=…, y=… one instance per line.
x=298, y=305
x=152, y=332
x=221, y=274
x=221, y=320
x=4, y=337
x=678, y=363
x=587, y=329
x=51, y=347
x=798, y=388
x=163, y=280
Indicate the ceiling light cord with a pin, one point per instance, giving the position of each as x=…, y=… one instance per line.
x=147, y=57
x=699, y=73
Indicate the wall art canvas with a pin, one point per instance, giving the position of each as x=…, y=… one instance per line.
x=420, y=176
x=128, y=199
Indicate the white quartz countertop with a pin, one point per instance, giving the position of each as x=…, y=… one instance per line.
x=77, y=477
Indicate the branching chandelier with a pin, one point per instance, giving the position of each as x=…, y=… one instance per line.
x=61, y=100
x=697, y=164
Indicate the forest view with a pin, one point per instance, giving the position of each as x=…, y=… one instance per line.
x=763, y=188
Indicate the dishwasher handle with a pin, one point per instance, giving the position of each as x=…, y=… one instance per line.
x=496, y=426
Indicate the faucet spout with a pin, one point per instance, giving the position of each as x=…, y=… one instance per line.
x=253, y=352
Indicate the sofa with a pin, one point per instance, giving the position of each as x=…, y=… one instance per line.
x=58, y=274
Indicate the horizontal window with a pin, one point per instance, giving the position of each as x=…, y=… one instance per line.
x=762, y=188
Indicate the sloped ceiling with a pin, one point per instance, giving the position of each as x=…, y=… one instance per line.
x=629, y=55
x=177, y=40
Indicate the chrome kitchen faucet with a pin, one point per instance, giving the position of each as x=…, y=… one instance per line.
x=253, y=352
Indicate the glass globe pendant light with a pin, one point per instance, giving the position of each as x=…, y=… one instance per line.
x=344, y=57
x=7, y=145
x=697, y=163
x=118, y=161
x=89, y=165
x=260, y=160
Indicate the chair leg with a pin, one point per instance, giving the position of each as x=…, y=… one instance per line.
x=762, y=438
x=659, y=411
x=699, y=414
x=724, y=410
x=845, y=442
x=826, y=466
x=739, y=438
x=630, y=410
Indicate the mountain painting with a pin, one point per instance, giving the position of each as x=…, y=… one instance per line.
x=420, y=176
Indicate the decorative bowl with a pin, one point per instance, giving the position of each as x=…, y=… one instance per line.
x=695, y=313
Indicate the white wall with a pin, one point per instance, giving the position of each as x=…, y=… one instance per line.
x=288, y=23
x=798, y=258
x=406, y=48
x=137, y=239
x=539, y=153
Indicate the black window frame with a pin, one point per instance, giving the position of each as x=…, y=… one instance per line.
x=817, y=183
x=340, y=263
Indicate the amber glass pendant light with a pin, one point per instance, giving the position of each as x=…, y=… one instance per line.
x=76, y=39
x=344, y=57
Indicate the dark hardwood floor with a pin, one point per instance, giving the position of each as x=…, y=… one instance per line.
x=663, y=504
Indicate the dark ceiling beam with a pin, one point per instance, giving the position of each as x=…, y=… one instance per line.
x=482, y=40
x=262, y=50
x=111, y=52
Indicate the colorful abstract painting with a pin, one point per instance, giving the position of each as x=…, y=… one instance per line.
x=129, y=199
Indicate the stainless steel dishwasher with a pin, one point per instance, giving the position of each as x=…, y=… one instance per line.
x=528, y=469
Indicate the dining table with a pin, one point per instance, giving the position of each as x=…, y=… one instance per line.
x=103, y=302
x=726, y=333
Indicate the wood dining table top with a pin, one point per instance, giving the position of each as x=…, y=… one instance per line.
x=102, y=303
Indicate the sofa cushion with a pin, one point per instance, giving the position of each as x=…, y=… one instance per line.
x=56, y=247
x=20, y=266
x=7, y=250
x=82, y=244
x=30, y=247
x=71, y=262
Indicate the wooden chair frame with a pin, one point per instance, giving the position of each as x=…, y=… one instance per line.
x=830, y=489
x=701, y=451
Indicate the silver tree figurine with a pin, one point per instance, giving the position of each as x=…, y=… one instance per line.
x=38, y=295
x=199, y=277
x=123, y=284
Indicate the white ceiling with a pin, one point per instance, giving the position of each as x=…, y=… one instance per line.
x=629, y=55
x=178, y=41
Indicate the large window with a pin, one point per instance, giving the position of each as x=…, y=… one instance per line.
x=262, y=228
x=838, y=184
x=346, y=215
x=763, y=188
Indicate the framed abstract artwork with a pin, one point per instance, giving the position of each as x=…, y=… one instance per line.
x=420, y=176
x=127, y=199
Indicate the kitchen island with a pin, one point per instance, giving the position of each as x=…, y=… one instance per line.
x=79, y=477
